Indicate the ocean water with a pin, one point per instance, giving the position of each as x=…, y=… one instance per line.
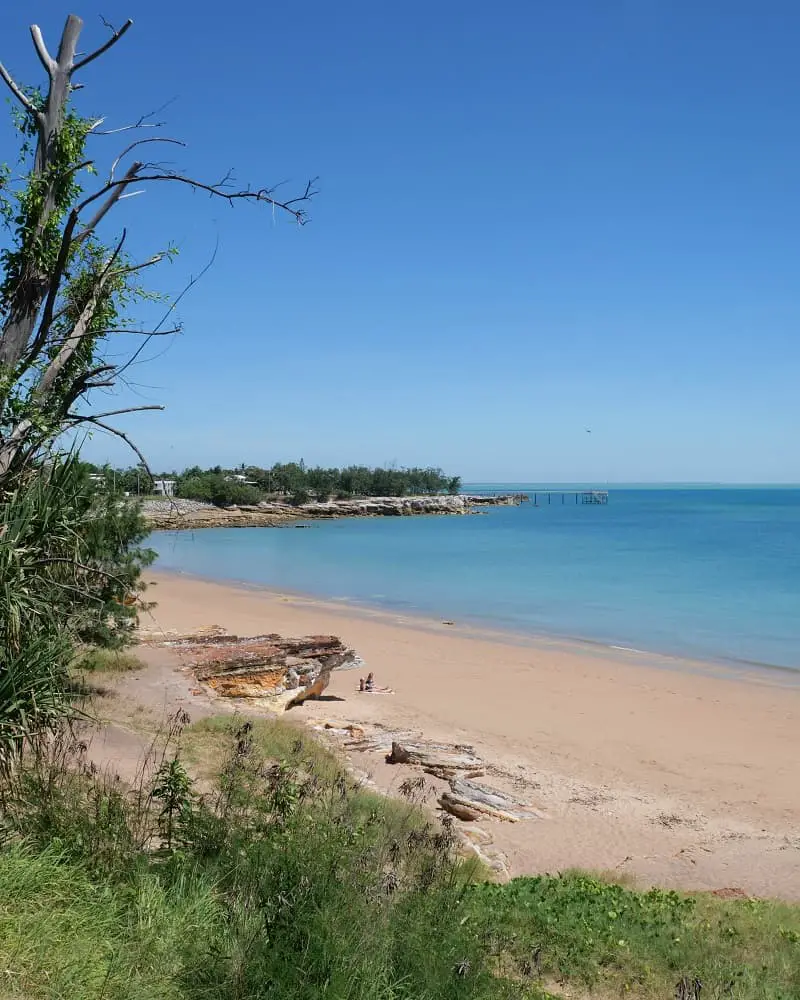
x=706, y=573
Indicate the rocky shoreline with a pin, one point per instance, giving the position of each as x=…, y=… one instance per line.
x=178, y=514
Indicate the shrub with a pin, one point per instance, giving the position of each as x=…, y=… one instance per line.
x=284, y=880
x=70, y=565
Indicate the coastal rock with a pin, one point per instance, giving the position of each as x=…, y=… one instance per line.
x=264, y=666
x=469, y=801
x=438, y=760
x=175, y=513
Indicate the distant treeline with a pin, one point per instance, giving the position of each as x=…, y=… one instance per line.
x=250, y=484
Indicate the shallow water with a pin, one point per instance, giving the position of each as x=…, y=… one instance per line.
x=708, y=573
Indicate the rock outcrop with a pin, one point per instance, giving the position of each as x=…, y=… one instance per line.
x=264, y=666
x=169, y=513
x=469, y=801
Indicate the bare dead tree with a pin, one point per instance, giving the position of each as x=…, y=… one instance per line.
x=58, y=292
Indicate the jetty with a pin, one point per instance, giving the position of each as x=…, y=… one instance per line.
x=518, y=496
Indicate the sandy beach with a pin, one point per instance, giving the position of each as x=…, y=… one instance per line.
x=667, y=771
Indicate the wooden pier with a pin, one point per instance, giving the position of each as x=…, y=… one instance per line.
x=581, y=496
x=518, y=496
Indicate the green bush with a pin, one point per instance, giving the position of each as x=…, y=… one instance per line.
x=283, y=881
x=214, y=487
x=70, y=565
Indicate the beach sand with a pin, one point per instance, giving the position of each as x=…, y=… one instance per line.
x=665, y=771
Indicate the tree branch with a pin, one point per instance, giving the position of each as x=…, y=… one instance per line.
x=79, y=331
x=52, y=293
x=77, y=419
x=141, y=123
x=115, y=413
x=142, y=142
x=263, y=194
x=184, y=291
x=132, y=268
x=143, y=333
x=83, y=384
x=41, y=50
x=103, y=48
x=15, y=90
x=109, y=203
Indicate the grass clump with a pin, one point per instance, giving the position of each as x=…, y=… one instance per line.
x=98, y=660
x=206, y=742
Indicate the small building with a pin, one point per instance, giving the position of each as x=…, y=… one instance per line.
x=164, y=487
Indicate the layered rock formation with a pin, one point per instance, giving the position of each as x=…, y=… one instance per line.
x=264, y=666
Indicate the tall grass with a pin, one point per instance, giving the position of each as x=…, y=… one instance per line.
x=282, y=879
x=275, y=876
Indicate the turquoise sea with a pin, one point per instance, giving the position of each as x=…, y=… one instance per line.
x=705, y=573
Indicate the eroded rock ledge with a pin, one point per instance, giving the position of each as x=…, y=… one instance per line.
x=178, y=514
x=287, y=671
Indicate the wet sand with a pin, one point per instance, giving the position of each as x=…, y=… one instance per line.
x=669, y=771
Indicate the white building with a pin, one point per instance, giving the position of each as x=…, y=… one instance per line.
x=164, y=487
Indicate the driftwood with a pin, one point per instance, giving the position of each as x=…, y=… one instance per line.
x=468, y=801
x=442, y=760
x=437, y=759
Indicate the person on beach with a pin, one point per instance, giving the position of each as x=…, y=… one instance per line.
x=361, y=684
x=370, y=685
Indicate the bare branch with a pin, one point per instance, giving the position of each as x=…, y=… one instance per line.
x=103, y=48
x=83, y=384
x=263, y=194
x=132, y=268
x=77, y=419
x=17, y=92
x=41, y=50
x=145, y=333
x=142, y=142
x=186, y=289
x=141, y=123
x=109, y=203
x=116, y=413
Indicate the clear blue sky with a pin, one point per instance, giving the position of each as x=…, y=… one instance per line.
x=533, y=218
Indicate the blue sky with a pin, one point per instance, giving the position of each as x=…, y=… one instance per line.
x=534, y=218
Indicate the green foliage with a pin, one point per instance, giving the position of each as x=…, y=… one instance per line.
x=69, y=565
x=287, y=881
x=173, y=788
x=214, y=487
x=35, y=232
x=301, y=484
x=35, y=211
x=582, y=929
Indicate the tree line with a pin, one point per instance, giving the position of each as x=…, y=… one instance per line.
x=293, y=481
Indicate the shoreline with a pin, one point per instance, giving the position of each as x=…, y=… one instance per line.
x=177, y=514
x=745, y=671
x=668, y=776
